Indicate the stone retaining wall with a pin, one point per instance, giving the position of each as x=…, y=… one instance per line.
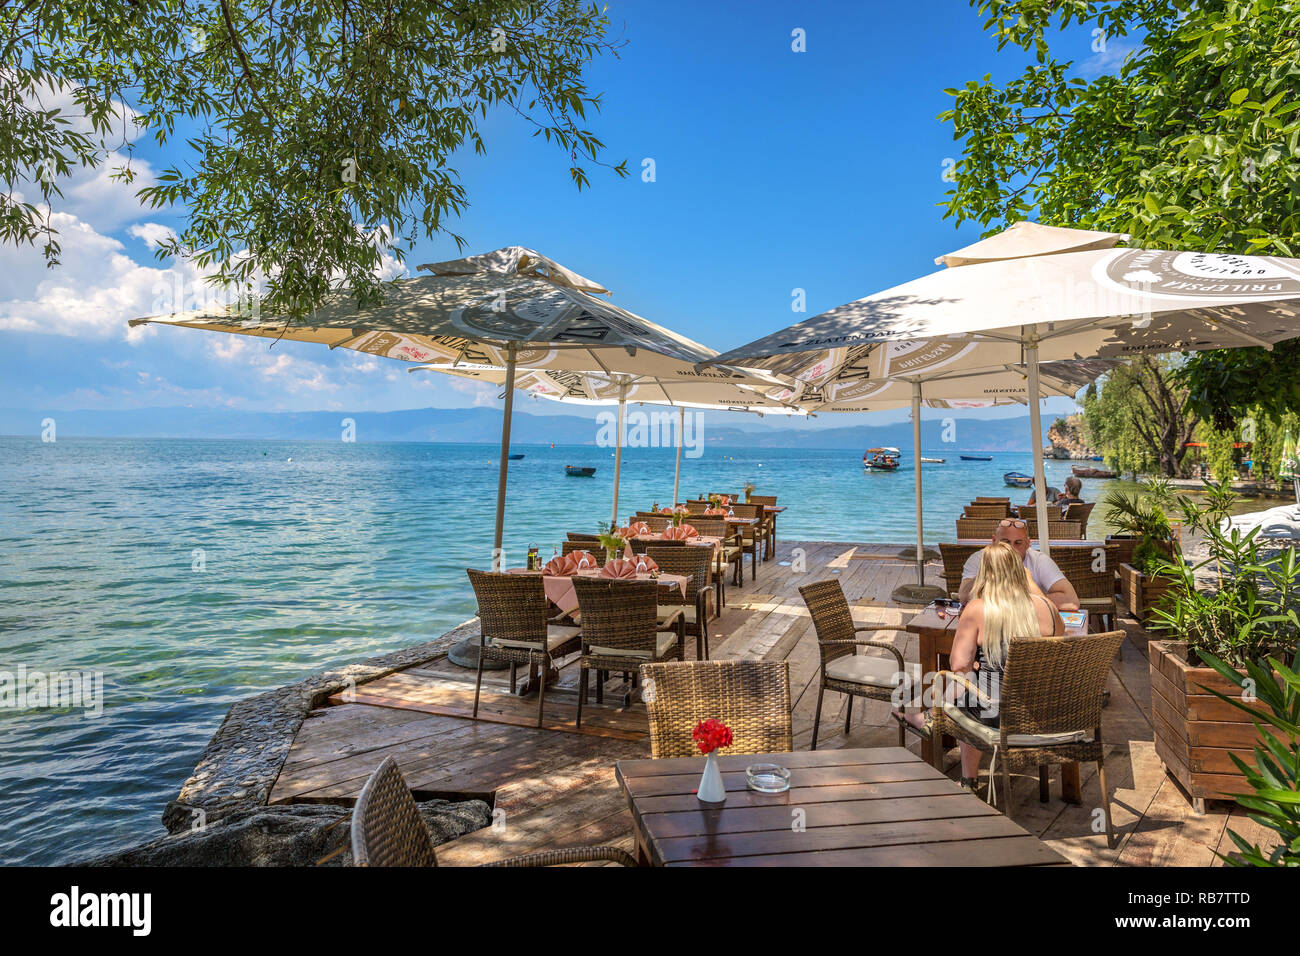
x=239, y=767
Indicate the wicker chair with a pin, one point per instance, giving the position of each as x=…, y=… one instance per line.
x=994, y=500
x=1049, y=709
x=1056, y=530
x=597, y=552
x=657, y=523
x=1080, y=513
x=750, y=697
x=729, y=554
x=954, y=563
x=695, y=562
x=1095, y=586
x=513, y=627
x=843, y=669
x=982, y=528
x=697, y=507
x=768, y=519
x=642, y=545
x=387, y=830
x=579, y=536
x=987, y=511
x=622, y=629
x=751, y=536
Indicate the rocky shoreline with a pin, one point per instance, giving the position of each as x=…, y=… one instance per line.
x=221, y=816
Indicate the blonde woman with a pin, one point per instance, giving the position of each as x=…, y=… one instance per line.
x=1005, y=604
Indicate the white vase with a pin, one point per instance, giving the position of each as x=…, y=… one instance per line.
x=711, y=788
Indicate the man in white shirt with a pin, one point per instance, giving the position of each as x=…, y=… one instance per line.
x=1043, y=571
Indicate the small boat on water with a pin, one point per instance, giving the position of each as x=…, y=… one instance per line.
x=1092, y=472
x=514, y=457
x=881, y=459
x=976, y=457
x=579, y=471
x=1017, y=479
x=933, y=461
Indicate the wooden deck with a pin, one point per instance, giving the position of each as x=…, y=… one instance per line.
x=555, y=787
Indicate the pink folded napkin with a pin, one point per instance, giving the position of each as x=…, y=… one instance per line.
x=556, y=567
x=618, y=568
x=680, y=533
x=715, y=511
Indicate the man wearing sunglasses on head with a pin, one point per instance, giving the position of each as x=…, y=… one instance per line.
x=1043, y=572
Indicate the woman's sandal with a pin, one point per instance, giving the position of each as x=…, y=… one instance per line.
x=925, y=732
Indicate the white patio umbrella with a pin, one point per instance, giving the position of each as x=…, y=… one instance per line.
x=685, y=386
x=1100, y=302
x=512, y=308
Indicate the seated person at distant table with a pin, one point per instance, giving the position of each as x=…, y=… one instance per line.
x=1044, y=575
x=1070, y=496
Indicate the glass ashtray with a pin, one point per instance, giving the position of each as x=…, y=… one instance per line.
x=767, y=778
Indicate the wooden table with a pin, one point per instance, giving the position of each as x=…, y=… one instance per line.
x=935, y=636
x=872, y=807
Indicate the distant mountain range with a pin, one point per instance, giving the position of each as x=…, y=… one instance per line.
x=483, y=425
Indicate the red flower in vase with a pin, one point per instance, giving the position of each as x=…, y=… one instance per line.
x=711, y=734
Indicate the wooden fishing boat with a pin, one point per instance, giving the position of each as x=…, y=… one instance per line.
x=1016, y=479
x=1093, y=472
x=976, y=457
x=579, y=471
x=514, y=457
x=933, y=461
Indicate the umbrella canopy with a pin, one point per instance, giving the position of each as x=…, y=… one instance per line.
x=1095, y=303
x=510, y=308
x=1027, y=238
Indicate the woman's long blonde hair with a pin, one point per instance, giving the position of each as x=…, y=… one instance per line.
x=1003, y=585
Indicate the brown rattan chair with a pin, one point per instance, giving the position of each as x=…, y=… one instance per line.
x=992, y=500
x=1049, y=710
x=513, y=627
x=597, y=552
x=987, y=511
x=750, y=697
x=751, y=536
x=387, y=830
x=696, y=562
x=1080, y=513
x=981, y=528
x=1056, y=530
x=697, y=507
x=621, y=630
x=954, y=563
x=843, y=668
x=579, y=536
x=729, y=554
x=769, y=520
x=1091, y=572
x=643, y=545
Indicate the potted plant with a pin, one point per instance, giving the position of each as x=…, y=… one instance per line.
x=612, y=542
x=1238, y=607
x=1146, y=545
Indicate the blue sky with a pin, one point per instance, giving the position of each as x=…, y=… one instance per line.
x=774, y=170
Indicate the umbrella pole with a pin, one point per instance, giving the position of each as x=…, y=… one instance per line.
x=618, y=452
x=1036, y=444
x=677, y=475
x=465, y=653
x=916, y=446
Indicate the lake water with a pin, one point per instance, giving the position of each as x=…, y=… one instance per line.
x=194, y=573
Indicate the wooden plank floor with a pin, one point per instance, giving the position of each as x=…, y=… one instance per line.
x=555, y=786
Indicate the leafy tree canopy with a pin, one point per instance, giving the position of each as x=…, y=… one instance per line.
x=324, y=127
x=1193, y=144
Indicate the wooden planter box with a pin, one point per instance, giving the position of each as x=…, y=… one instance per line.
x=1195, y=731
x=1141, y=592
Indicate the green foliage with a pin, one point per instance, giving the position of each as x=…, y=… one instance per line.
x=1136, y=418
x=1192, y=144
x=325, y=128
x=1142, y=516
x=1254, y=607
x=1275, y=777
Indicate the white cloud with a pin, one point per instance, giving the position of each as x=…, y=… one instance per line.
x=1107, y=60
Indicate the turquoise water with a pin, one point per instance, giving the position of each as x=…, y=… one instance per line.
x=193, y=573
